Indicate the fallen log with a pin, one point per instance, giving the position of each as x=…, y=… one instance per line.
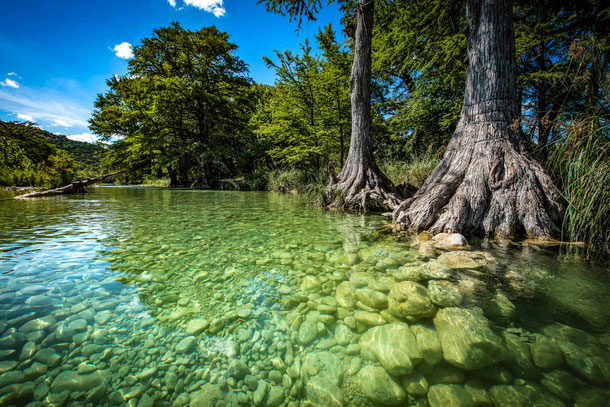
x=72, y=188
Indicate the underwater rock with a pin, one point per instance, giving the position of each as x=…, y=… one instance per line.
x=467, y=339
x=519, y=357
x=48, y=356
x=102, y=317
x=343, y=335
x=322, y=375
x=275, y=396
x=546, y=352
x=559, y=382
x=78, y=325
x=209, y=396
x=308, y=331
x=449, y=395
x=526, y=395
x=393, y=345
x=410, y=300
x=372, y=298
x=71, y=380
x=465, y=260
x=415, y=383
x=376, y=384
x=444, y=373
x=428, y=343
x=238, y=369
x=310, y=283
x=369, y=318
x=444, y=293
x=38, y=324
x=583, y=352
x=197, y=325
x=186, y=344
x=500, y=306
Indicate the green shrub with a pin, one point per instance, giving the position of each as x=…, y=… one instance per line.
x=257, y=180
x=306, y=182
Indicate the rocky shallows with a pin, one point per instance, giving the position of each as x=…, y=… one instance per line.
x=317, y=324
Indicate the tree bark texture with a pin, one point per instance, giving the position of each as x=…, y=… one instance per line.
x=361, y=185
x=487, y=183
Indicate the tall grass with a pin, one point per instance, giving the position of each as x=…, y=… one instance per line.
x=581, y=162
x=311, y=183
x=414, y=172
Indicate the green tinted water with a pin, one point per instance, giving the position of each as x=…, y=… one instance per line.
x=146, y=297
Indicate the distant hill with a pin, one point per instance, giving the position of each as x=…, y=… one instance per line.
x=38, y=143
x=86, y=153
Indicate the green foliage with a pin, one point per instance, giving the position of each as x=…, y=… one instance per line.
x=86, y=153
x=418, y=49
x=582, y=164
x=304, y=121
x=308, y=182
x=28, y=159
x=414, y=172
x=181, y=110
x=257, y=180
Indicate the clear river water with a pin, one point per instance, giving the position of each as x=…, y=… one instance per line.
x=158, y=297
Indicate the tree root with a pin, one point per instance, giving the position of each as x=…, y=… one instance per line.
x=487, y=186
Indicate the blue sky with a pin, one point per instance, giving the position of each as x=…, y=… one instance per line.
x=55, y=56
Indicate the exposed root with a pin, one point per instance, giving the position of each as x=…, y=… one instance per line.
x=485, y=185
x=365, y=190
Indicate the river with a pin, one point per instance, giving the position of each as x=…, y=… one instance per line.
x=142, y=297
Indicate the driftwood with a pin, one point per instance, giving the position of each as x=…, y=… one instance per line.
x=73, y=188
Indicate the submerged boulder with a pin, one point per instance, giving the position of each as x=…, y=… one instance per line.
x=444, y=293
x=379, y=386
x=583, y=352
x=322, y=375
x=449, y=395
x=410, y=300
x=393, y=345
x=71, y=380
x=467, y=339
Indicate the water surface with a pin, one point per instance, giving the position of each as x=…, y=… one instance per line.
x=141, y=297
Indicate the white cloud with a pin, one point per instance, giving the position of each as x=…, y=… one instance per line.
x=48, y=108
x=172, y=3
x=10, y=83
x=123, y=50
x=86, y=137
x=211, y=6
x=11, y=74
x=62, y=123
x=25, y=117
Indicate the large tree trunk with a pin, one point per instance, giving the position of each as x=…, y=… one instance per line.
x=361, y=185
x=486, y=182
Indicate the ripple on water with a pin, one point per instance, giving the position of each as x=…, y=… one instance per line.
x=164, y=297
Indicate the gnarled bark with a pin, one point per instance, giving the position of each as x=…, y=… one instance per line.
x=486, y=182
x=360, y=184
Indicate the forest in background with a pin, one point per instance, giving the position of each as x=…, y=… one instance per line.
x=187, y=113
x=30, y=156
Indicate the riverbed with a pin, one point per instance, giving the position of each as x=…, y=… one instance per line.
x=159, y=297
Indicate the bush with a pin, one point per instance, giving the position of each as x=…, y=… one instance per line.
x=307, y=182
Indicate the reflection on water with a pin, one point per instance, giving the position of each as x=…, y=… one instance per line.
x=147, y=297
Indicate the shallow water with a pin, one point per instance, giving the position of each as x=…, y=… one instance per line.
x=142, y=297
